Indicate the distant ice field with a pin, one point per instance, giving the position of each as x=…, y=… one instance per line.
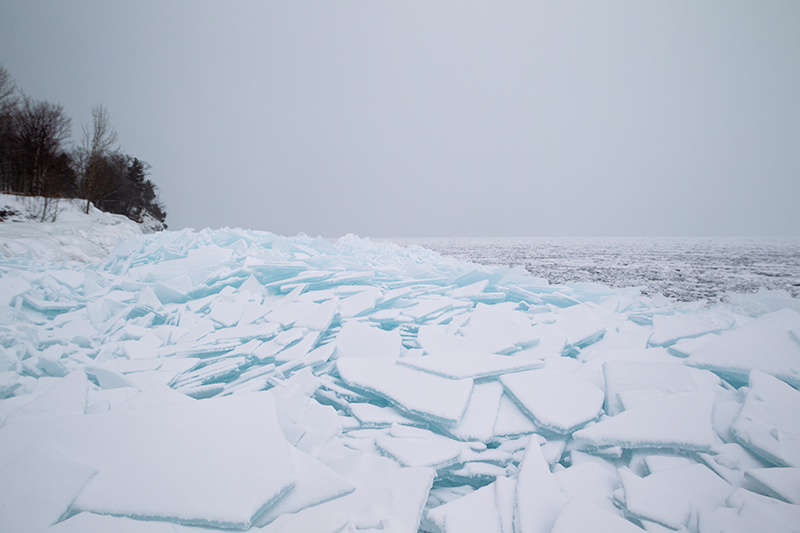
x=686, y=269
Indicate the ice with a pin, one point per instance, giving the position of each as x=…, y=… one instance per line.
x=314, y=483
x=667, y=329
x=538, y=496
x=499, y=322
x=384, y=498
x=623, y=376
x=467, y=364
x=557, y=401
x=245, y=466
x=357, y=339
x=591, y=482
x=374, y=416
x=67, y=396
x=782, y=483
x=511, y=421
x=479, y=419
x=730, y=461
x=88, y=522
x=154, y=395
x=359, y=303
x=681, y=420
x=686, y=347
x=764, y=344
x=436, y=340
x=24, y=506
x=670, y=496
x=112, y=397
x=580, y=516
x=769, y=422
x=430, y=450
x=11, y=287
x=593, y=366
x=581, y=324
x=432, y=397
x=476, y=512
x=380, y=358
x=759, y=513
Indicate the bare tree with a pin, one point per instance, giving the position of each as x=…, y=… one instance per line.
x=7, y=90
x=97, y=143
x=41, y=129
x=8, y=107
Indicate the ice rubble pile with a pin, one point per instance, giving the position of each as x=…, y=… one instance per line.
x=234, y=379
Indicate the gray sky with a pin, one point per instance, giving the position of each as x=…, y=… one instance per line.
x=438, y=118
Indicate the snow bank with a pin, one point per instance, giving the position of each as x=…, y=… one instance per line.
x=60, y=230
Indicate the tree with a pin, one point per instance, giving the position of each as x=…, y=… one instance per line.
x=8, y=108
x=97, y=143
x=40, y=131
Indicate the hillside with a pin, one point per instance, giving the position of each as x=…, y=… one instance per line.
x=61, y=230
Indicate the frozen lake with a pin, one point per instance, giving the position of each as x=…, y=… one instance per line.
x=686, y=269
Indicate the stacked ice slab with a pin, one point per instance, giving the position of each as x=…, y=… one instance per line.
x=240, y=380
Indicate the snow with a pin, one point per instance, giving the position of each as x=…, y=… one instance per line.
x=779, y=354
x=464, y=364
x=225, y=477
x=769, y=422
x=681, y=420
x=626, y=376
x=72, y=236
x=538, y=497
x=557, y=401
x=24, y=506
x=782, y=483
x=579, y=516
x=427, y=395
x=235, y=379
x=669, y=497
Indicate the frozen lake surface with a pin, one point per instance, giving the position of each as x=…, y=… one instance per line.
x=686, y=269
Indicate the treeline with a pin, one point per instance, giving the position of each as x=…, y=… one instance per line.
x=37, y=158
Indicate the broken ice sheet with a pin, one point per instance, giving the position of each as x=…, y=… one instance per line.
x=623, y=376
x=681, y=420
x=668, y=497
x=461, y=364
x=245, y=466
x=314, y=483
x=38, y=487
x=769, y=422
x=538, y=496
x=357, y=339
x=374, y=416
x=432, y=397
x=580, y=516
x=431, y=450
x=667, y=329
x=384, y=498
x=406, y=303
x=478, y=420
x=436, y=340
x=476, y=512
x=764, y=344
x=557, y=401
x=591, y=482
x=782, y=483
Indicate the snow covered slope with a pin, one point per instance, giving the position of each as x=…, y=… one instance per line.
x=59, y=229
x=236, y=379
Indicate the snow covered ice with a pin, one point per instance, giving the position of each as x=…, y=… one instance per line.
x=240, y=380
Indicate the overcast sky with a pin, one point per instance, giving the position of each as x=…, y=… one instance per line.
x=438, y=118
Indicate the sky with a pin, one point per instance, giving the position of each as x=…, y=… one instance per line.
x=438, y=118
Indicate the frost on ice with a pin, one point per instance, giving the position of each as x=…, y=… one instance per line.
x=241, y=380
